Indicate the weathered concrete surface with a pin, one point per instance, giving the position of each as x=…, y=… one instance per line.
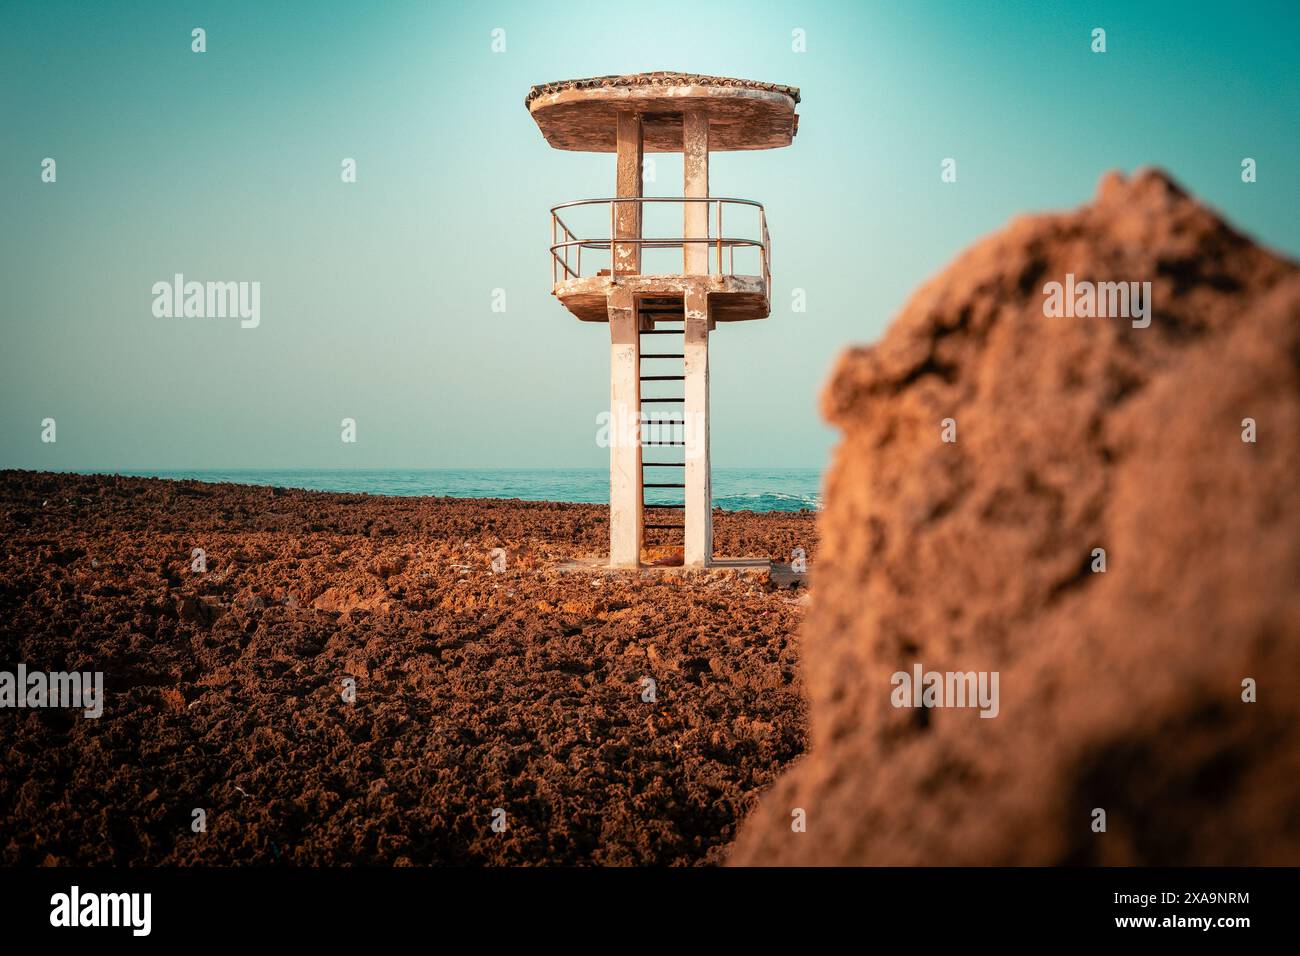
x=746, y=114
x=754, y=570
x=1118, y=690
x=695, y=183
x=731, y=298
x=699, y=491
x=691, y=114
x=626, y=522
x=628, y=185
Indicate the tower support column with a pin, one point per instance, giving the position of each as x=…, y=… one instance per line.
x=629, y=143
x=625, y=490
x=695, y=182
x=699, y=493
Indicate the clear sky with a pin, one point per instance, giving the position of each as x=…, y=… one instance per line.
x=376, y=296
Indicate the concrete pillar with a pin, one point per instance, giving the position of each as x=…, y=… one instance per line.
x=627, y=216
x=625, y=517
x=699, y=493
x=695, y=168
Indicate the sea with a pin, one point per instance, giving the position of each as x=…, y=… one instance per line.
x=734, y=489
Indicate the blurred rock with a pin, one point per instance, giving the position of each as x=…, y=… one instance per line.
x=1119, y=690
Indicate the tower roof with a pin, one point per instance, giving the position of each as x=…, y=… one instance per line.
x=743, y=114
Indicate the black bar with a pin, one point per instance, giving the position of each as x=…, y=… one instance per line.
x=282, y=904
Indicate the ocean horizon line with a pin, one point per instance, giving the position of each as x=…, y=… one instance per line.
x=143, y=471
x=734, y=488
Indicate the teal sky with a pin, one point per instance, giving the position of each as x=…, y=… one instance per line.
x=376, y=296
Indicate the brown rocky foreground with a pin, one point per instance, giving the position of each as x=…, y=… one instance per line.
x=475, y=691
x=1120, y=690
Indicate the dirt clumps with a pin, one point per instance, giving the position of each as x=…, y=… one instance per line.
x=523, y=690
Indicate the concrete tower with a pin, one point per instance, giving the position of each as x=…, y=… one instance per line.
x=661, y=309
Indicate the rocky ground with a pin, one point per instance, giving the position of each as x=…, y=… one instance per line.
x=475, y=691
x=991, y=451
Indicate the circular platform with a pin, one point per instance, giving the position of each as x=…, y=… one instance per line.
x=743, y=114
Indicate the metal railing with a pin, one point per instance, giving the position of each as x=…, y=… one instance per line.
x=567, y=246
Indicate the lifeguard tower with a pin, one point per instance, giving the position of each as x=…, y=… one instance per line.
x=661, y=306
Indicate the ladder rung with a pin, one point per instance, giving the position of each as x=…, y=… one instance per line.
x=662, y=355
x=663, y=378
x=652, y=527
x=660, y=507
x=663, y=464
x=660, y=400
x=660, y=484
x=662, y=331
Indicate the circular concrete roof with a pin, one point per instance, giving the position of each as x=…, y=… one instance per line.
x=743, y=114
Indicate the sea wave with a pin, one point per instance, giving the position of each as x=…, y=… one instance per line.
x=734, y=489
x=767, y=501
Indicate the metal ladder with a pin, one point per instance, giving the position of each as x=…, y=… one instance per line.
x=660, y=309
